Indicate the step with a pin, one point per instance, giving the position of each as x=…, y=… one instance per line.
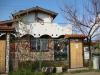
x=77, y=69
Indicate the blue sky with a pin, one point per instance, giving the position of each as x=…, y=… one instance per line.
x=10, y=6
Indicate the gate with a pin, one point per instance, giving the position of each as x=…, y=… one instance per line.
x=76, y=54
x=2, y=56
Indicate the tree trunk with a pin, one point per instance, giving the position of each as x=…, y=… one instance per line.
x=89, y=46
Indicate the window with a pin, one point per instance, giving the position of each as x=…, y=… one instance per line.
x=39, y=44
x=33, y=44
x=60, y=49
x=44, y=44
x=40, y=20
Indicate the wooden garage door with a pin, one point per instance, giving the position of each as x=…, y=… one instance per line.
x=76, y=55
x=2, y=56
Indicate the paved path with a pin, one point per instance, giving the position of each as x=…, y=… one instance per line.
x=84, y=73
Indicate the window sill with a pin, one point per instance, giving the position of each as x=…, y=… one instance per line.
x=39, y=51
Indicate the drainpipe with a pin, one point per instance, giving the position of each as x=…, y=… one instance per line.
x=7, y=52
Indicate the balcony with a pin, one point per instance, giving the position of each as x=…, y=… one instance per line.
x=39, y=29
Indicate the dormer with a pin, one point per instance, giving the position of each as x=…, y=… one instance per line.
x=35, y=14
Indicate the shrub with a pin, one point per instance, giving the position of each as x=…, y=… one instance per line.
x=33, y=68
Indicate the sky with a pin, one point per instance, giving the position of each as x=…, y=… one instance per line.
x=10, y=6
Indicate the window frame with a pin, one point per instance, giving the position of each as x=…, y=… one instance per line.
x=39, y=43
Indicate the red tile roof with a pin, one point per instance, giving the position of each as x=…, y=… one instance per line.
x=75, y=36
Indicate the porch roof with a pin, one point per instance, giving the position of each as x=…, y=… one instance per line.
x=79, y=36
x=6, y=26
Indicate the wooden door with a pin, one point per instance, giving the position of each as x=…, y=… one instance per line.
x=76, y=55
x=2, y=56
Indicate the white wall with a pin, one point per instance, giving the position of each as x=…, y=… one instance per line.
x=37, y=29
x=28, y=25
x=45, y=17
x=30, y=18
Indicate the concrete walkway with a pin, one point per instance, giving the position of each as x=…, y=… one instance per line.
x=84, y=73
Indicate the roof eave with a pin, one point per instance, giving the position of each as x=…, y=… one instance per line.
x=35, y=9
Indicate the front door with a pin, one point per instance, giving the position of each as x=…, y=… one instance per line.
x=2, y=56
x=76, y=54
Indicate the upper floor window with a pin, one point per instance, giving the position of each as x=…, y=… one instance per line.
x=40, y=20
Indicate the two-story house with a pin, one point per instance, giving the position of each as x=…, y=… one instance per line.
x=32, y=35
x=38, y=35
x=36, y=25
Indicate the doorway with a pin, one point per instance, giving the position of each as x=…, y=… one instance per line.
x=76, y=54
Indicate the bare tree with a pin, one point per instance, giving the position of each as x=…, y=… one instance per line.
x=88, y=22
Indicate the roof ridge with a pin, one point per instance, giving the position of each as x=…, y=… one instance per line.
x=54, y=14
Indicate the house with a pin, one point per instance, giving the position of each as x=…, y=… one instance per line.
x=36, y=25
x=32, y=35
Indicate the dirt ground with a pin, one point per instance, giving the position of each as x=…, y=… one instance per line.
x=84, y=73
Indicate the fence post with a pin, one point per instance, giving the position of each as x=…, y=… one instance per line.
x=7, y=51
